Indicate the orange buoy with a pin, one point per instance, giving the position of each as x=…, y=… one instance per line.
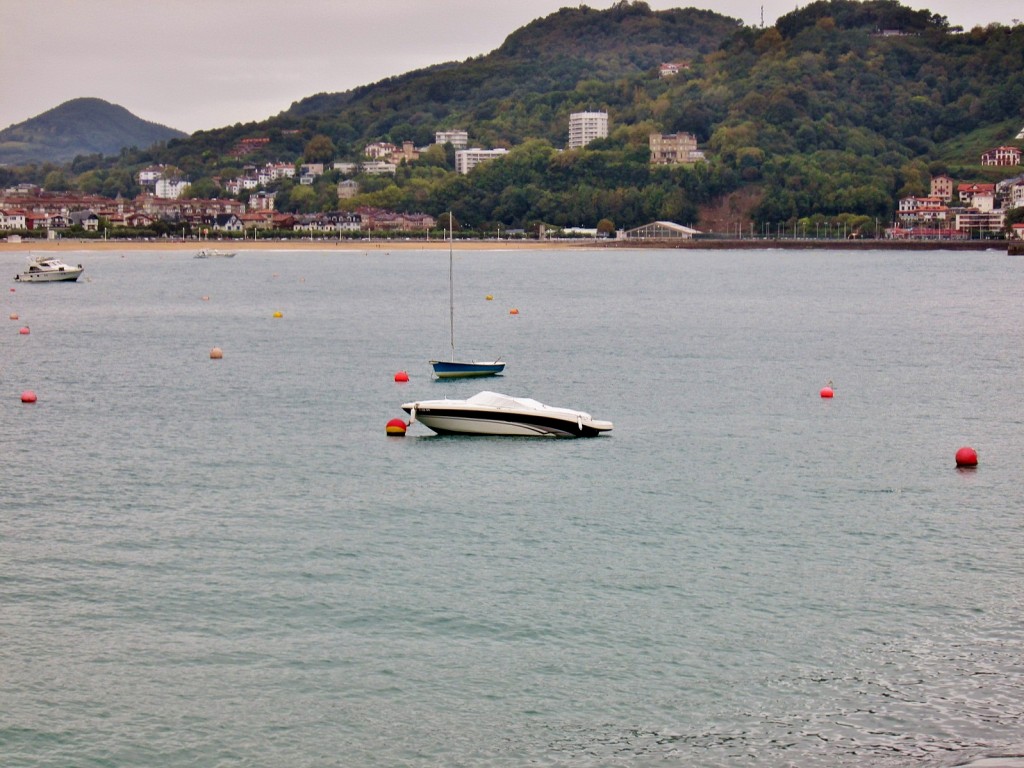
x=14, y=315
x=513, y=311
x=28, y=396
x=396, y=427
x=827, y=392
x=967, y=457
x=206, y=298
x=24, y=331
x=216, y=353
x=401, y=376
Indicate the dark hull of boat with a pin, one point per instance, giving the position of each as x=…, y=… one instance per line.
x=450, y=370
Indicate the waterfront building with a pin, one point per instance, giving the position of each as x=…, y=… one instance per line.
x=942, y=187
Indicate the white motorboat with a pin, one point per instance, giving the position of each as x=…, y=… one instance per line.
x=43, y=268
x=491, y=413
x=211, y=253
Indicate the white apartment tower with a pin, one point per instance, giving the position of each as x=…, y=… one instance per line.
x=584, y=127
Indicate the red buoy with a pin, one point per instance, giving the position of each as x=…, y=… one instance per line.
x=396, y=427
x=24, y=331
x=401, y=376
x=28, y=396
x=827, y=392
x=967, y=457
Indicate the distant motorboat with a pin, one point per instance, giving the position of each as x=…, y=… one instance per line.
x=492, y=413
x=211, y=253
x=43, y=268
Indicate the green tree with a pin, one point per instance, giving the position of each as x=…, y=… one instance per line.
x=319, y=149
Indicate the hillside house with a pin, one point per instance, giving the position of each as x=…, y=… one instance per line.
x=980, y=196
x=458, y=139
x=672, y=68
x=347, y=189
x=1001, y=156
x=674, y=148
x=942, y=188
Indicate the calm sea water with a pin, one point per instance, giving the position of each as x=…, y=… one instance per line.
x=228, y=563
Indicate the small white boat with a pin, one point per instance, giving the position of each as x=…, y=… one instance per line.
x=492, y=413
x=210, y=253
x=43, y=268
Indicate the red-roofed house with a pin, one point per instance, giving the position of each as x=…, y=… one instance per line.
x=980, y=196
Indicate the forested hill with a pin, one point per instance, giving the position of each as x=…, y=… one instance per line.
x=525, y=89
x=79, y=127
x=837, y=111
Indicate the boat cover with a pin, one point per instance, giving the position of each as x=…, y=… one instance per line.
x=498, y=400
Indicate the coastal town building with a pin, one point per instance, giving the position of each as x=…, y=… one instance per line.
x=674, y=148
x=672, y=68
x=262, y=201
x=921, y=210
x=980, y=196
x=375, y=219
x=1001, y=156
x=347, y=189
x=942, y=187
x=468, y=159
x=659, y=230
x=379, y=150
x=980, y=223
x=12, y=218
x=169, y=189
x=458, y=139
x=378, y=168
x=149, y=176
x=585, y=127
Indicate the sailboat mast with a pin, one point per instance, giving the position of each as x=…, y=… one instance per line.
x=451, y=286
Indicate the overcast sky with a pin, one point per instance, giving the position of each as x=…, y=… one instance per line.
x=200, y=64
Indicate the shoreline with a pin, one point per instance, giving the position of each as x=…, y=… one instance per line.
x=500, y=245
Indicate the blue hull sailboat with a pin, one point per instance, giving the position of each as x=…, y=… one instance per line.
x=452, y=369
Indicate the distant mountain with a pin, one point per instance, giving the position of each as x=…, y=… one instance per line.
x=79, y=127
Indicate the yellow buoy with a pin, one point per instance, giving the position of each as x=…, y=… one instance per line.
x=278, y=314
x=490, y=297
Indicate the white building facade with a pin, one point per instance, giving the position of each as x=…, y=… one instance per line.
x=584, y=127
x=458, y=139
x=468, y=159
